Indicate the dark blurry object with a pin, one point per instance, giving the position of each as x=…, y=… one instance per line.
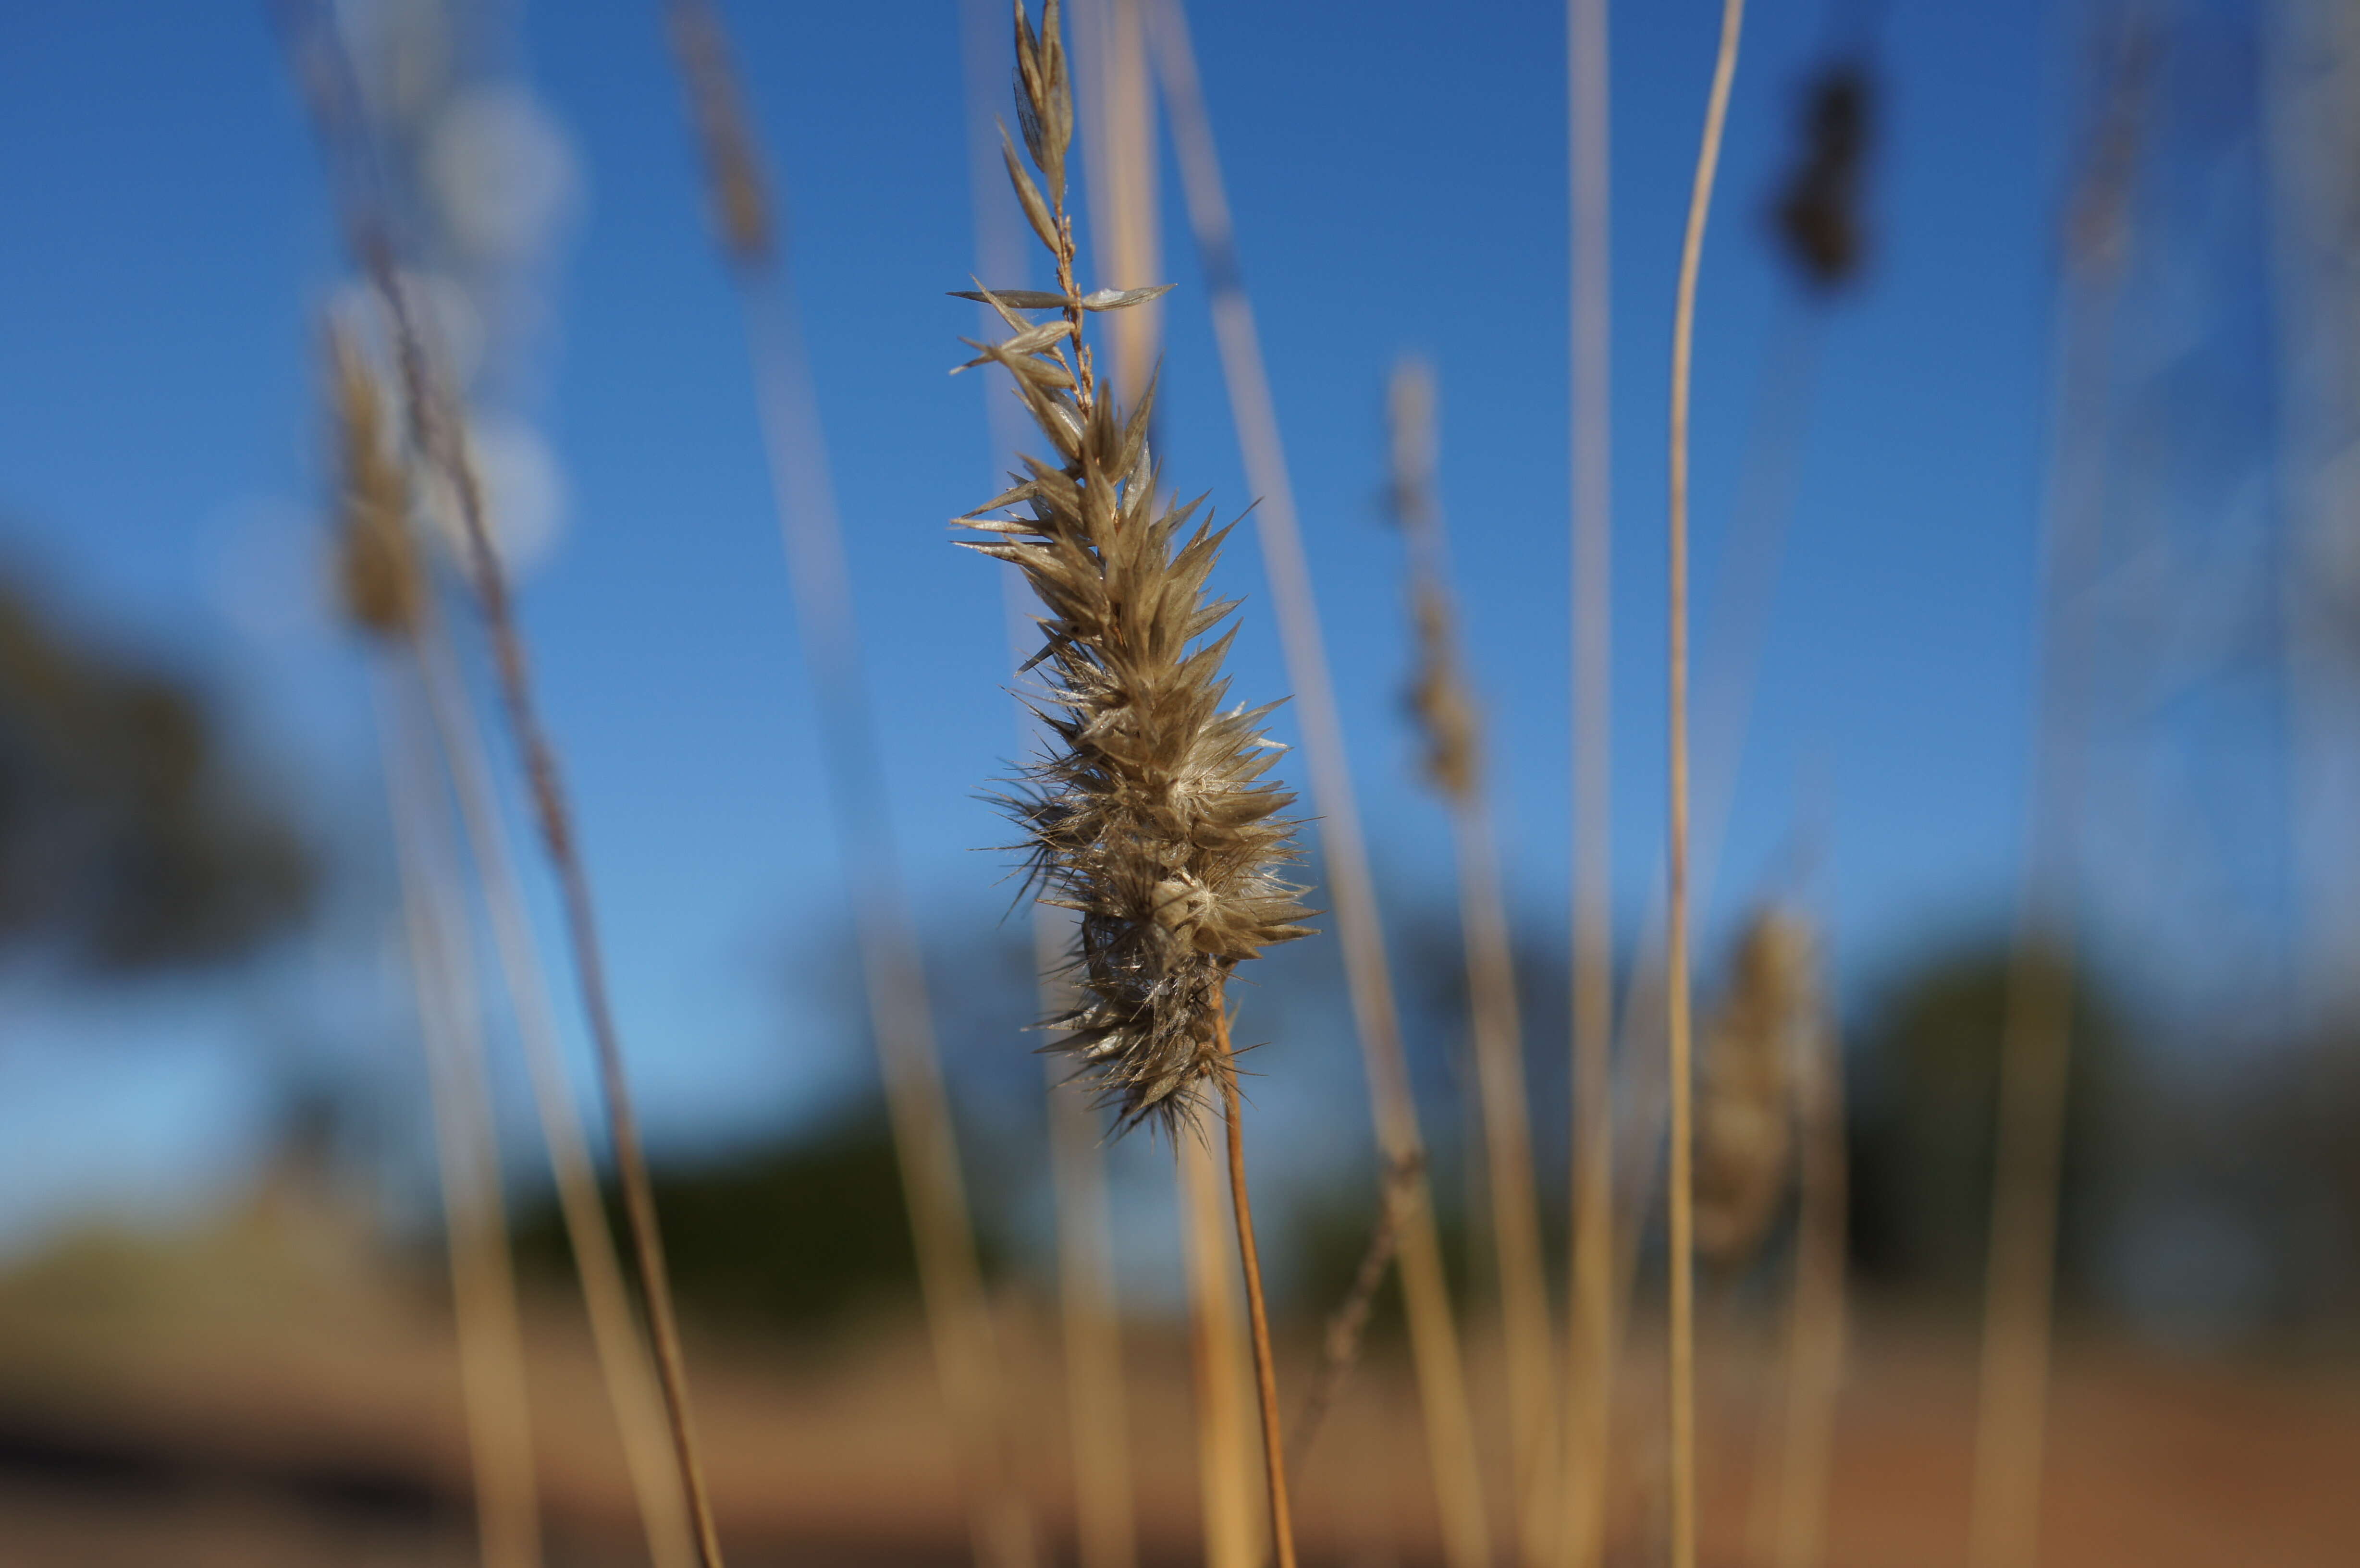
x=1817, y=218
x=1924, y=1099
x=127, y=842
x=795, y=1235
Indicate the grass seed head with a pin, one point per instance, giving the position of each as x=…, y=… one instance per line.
x=1438, y=696
x=379, y=576
x=1818, y=218
x=1753, y=1049
x=1149, y=814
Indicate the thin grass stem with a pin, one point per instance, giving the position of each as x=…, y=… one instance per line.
x=1273, y=1443
x=1590, y=1334
x=1433, y=1335
x=483, y=1275
x=623, y=1356
x=1219, y=1365
x=1678, y=1053
x=2036, y=1045
x=1450, y=717
x=899, y=1008
x=437, y=427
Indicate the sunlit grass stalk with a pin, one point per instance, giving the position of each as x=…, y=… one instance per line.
x=437, y=424
x=1121, y=170
x=1682, y=1359
x=1347, y=1325
x=386, y=589
x=900, y=1011
x=1220, y=1369
x=1434, y=1336
x=483, y=1279
x=633, y=1389
x=1148, y=813
x=1727, y=680
x=1591, y=1317
x=1450, y=718
x=384, y=595
x=1816, y=1314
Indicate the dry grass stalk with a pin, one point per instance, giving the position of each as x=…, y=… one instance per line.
x=1816, y=1315
x=1451, y=722
x=1220, y=1367
x=1682, y=1380
x=1119, y=111
x=383, y=589
x=445, y=444
x=1273, y=1441
x=958, y=1313
x=1119, y=108
x=1340, y=1346
x=2036, y=1048
x=437, y=425
x=633, y=1391
x=1434, y=1336
x=1149, y=817
x=1590, y=1330
x=1104, y=1531
x=483, y=1279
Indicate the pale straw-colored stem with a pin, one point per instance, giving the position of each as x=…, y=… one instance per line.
x=1448, y=707
x=2011, y=1416
x=1727, y=680
x=1434, y=1336
x=1105, y=1533
x=623, y=1358
x=1347, y=1325
x=1590, y=1339
x=1682, y=1380
x=437, y=427
x=1498, y=1034
x=1273, y=1443
x=450, y=1018
x=1218, y=1358
x=1816, y=1322
x=443, y=439
x=1120, y=166
x=1120, y=106
x=2035, y=1044
x=900, y=1010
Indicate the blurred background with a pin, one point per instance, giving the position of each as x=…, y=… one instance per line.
x=2028, y=390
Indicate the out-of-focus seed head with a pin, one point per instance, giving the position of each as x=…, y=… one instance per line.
x=379, y=576
x=1439, y=697
x=1817, y=218
x=1755, y=1045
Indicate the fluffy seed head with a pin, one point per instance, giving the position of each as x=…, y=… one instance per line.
x=1754, y=1047
x=378, y=572
x=1149, y=814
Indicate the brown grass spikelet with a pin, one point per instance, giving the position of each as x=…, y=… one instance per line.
x=1754, y=1046
x=379, y=579
x=740, y=196
x=1437, y=696
x=1150, y=817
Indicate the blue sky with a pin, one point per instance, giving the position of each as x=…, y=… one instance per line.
x=1398, y=177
